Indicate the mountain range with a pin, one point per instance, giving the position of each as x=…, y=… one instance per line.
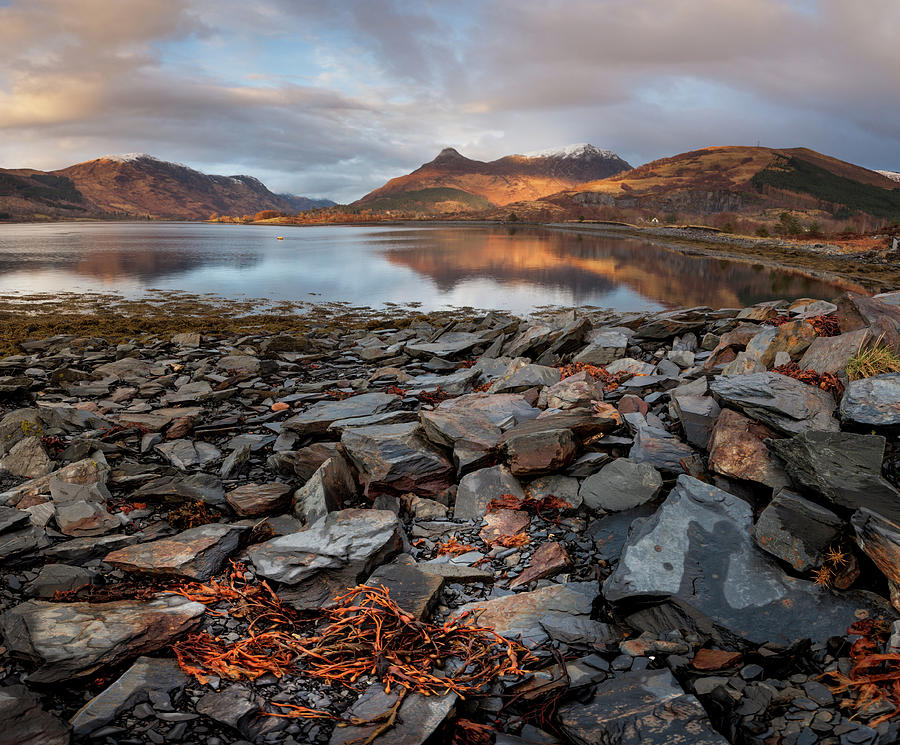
x=563, y=183
x=137, y=185
x=454, y=183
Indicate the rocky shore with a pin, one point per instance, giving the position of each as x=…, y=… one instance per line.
x=683, y=527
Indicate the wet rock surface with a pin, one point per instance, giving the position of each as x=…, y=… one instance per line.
x=681, y=535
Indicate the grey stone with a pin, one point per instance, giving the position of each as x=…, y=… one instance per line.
x=27, y=459
x=604, y=348
x=783, y=403
x=326, y=491
x=842, y=466
x=524, y=613
x=503, y=410
x=697, y=548
x=11, y=519
x=478, y=488
x=656, y=446
x=252, y=500
x=185, y=454
x=521, y=378
x=454, y=384
x=830, y=354
x=231, y=706
x=698, y=414
x=318, y=417
x=197, y=553
x=80, y=519
x=796, y=530
x=203, y=487
x=413, y=590
x=70, y=640
x=54, y=578
x=621, y=485
x=417, y=718
x=25, y=722
x=873, y=402
x=131, y=688
x=538, y=452
x=350, y=541
x=397, y=458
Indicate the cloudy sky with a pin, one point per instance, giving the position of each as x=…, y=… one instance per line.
x=333, y=98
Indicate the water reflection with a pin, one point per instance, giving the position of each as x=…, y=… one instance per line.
x=434, y=266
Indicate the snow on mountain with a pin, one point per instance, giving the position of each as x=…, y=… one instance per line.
x=577, y=150
x=892, y=175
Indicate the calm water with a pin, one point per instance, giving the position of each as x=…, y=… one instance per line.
x=517, y=269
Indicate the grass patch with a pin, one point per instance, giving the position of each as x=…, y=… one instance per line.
x=878, y=360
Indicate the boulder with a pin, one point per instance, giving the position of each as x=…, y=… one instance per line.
x=785, y=404
x=131, y=688
x=478, y=488
x=417, y=718
x=251, y=500
x=521, y=378
x=539, y=452
x=350, y=541
x=306, y=461
x=796, y=530
x=330, y=486
x=318, y=417
x=697, y=548
x=455, y=384
x=882, y=319
x=621, y=485
x=27, y=459
x=830, y=354
x=872, y=402
x=605, y=347
x=646, y=707
x=655, y=446
x=72, y=640
x=524, y=613
x=667, y=324
x=577, y=390
x=843, y=467
x=504, y=410
x=880, y=539
x=793, y=337
x=396, y=458
x=25, y=722
x=737, y=449
x=698, y=415
x=197, y=553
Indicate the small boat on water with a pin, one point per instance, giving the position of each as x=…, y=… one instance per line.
x=279, y=238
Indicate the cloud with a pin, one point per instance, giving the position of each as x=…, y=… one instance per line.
x=333, y=99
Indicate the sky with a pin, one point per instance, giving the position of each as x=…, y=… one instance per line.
x=331, y=99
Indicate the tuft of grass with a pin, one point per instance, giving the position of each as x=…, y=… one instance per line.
x=877, y=360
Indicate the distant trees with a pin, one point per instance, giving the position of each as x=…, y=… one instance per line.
x=267, y=215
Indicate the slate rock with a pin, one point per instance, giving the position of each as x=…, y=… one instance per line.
x=785, y=404
x=478, y=488
x=417, y=718
x=306, y=461
x=250, y=500
x=697, y=548
x=351, y=540
x=202, y=487
x=872, y=402
x=54, y=578
x=549, y=559
x=27, y=459
x=667, y=324
x=327, y=490
x=12, y=519
x=577, y=390
x=80, y=518
x=539, y=452
x=25, y=722
x=880, y=539
x=504, y=410
x=793, y=337
x=318, y=417
x=158, y=419
x=454, y=384
x=796, y=530
x=579, y=630
x=17, y=425
x=71, y=640
x=197, y=553
x=522, y=378
x=857, y=311
x=555, y=485
x=621, y=485
x=185, y=454
x=413, y=590
x=131, y=688
x=656, y=446
x=830, y=354
x=232, y=706
x=737, y=449
x=396, y=458
x=698, y=415
x=522, y=614
x=605, y=347
x=451, y=344
x=646, y=707
x=843, y=467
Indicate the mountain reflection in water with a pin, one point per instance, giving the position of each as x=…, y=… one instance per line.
x=487, y=267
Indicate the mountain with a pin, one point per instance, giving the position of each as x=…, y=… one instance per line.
x=892, y=175
x=138, y=185
x=452, y=182
x=735, y=179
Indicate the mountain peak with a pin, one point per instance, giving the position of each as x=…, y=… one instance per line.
x=578, y=150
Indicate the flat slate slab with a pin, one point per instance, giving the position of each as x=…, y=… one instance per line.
x=647, y=707
x=413, y=590
x=697, y=548
x=873, y=402
x=318, y=417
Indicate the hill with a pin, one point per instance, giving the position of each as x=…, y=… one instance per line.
x=137, y=185
x=744, y=179
x=498, y=182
